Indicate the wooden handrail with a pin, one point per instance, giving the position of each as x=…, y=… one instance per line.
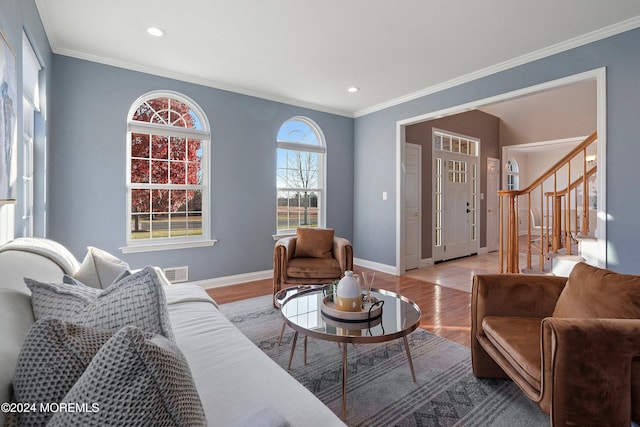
x=575, y=183
x=555, y=234
x=560, y=163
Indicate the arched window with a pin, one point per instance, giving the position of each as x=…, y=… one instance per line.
x=300, y=175
x=513, y=175
x=168, y=142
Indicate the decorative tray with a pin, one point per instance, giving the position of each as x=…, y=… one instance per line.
x=330, y=311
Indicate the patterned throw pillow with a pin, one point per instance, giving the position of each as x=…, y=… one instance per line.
x=53, y=357
x=100, y=269
x=133, y=381
x=137, y=299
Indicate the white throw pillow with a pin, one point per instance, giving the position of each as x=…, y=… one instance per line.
x=133, y=381
x=100, y=269
x=137, y=299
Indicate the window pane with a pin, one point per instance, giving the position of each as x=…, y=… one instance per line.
x=140, y=226
x=178, y=149
x=297, y=209
x=298, y=131
x=178, y=172
x=140, y=201
x=160, y=201
x=140, y=145
x=159, y=147
x=139, y=171
x=195, y=173
x=159, y=172
x=437, y=141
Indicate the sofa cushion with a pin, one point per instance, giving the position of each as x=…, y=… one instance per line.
x=518, y=340
x=100, y=269
x=137, y=299
x=314, y=243
x=599, y=293
x=135, y=381
x=316, y=268
x=54, y=355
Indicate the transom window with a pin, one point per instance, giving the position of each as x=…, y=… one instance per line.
x=300, y=175
x=167, y=176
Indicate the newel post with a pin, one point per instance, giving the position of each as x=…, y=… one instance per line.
x=512, y=231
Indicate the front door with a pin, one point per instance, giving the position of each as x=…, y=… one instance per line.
x=455, y=200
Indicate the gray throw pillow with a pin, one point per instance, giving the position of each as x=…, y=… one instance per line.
x=53, y=357
x=133, y=381
x=100, y=269
x=137, y=299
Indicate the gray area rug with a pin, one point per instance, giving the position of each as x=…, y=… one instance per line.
x=380, y=390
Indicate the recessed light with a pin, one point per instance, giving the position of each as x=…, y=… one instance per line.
x=353, y=89
x=155, y=31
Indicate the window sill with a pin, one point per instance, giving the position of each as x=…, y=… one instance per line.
x=166, y=246
x=277, y=237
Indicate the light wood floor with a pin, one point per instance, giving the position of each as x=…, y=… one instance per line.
x=443, y=293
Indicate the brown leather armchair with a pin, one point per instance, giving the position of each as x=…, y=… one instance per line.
x=313, y=256
x=571, y=345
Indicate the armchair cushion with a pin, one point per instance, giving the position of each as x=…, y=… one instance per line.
x=518, y=340
x=314, y=243
x=325, y=268
x=593, y=292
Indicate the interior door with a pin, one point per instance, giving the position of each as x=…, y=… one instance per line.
x=412, y=205
x=493, y=177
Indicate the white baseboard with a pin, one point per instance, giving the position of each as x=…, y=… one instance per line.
x=390, y=269
x=217, y=282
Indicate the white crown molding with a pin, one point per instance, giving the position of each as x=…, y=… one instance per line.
x=197, y=80
x=582, y=40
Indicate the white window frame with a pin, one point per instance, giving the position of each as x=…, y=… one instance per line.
x=321, y=150
x=204, y=135
x=30, y=106
x=513, y=174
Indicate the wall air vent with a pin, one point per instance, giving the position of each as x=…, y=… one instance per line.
x=177, y=274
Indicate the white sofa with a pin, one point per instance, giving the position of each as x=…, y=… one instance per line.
x=237, y=383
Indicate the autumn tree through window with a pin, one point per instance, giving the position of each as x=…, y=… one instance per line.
x=168, y=139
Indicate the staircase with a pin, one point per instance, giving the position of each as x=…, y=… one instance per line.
x=564, y=232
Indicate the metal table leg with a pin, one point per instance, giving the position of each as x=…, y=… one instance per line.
x=293, y=348
x=406, y=346
x=344, y=381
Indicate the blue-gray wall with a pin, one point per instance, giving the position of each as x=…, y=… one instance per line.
x=85, y=110
x=375, y=144
x=87, y=174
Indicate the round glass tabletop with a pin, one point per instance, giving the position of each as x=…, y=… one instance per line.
x=400, y=316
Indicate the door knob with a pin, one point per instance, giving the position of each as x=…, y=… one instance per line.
x=468, y=211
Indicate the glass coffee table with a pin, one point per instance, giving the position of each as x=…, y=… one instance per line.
x=303, y=312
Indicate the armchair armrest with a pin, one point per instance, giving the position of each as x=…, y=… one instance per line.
x=512, y=295
x=587, y=370
x=286, y=247
x=343, y=252
x=507, y=295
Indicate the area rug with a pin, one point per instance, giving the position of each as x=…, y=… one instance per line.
x=380, y=391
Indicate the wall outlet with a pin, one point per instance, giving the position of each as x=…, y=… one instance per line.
x=384, y=195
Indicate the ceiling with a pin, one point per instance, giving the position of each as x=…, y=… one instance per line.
x=309, y=52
